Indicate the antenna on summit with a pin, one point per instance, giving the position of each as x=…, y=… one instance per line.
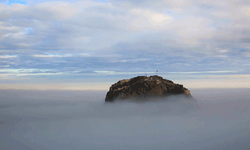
x=156, y=72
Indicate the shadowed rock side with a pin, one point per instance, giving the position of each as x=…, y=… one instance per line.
x=142, y=88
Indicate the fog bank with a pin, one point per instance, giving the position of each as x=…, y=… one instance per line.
x=65, y=120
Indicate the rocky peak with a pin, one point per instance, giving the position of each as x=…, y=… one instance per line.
x=142, y=87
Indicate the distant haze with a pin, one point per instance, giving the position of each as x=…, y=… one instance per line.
x=194, y=82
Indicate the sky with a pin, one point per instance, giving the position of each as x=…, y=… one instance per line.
x=90, y=44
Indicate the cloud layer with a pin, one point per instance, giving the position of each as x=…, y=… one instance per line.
x=98, y=37
x=64, y=120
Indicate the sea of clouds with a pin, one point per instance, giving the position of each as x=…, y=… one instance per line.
x=79, y=120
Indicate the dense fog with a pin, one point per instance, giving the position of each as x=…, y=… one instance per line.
x=77, y=120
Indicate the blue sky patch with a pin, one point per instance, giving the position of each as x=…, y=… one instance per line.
x=20, y=2
x=14, y=2
x=28, y=30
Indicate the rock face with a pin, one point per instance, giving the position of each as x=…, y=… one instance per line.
x=142, y=88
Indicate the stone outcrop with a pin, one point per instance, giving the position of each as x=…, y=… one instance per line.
x=143, y=88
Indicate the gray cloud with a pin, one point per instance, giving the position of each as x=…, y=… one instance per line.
x=179, y=35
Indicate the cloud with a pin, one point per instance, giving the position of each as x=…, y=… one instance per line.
x=50, y=56
x=8, y=56
x=144, y=18
x=135, y=36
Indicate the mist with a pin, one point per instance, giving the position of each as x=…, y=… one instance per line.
x=65, y=120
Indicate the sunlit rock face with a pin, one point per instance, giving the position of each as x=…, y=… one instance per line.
x=143, y=88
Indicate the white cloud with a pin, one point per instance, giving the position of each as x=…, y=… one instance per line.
x=8, y=56
x=59, y=9
x=105, y=72
x=62, y=55
x=223, y=51
x=178, y=3
x=51, y=56
x=145, y=18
